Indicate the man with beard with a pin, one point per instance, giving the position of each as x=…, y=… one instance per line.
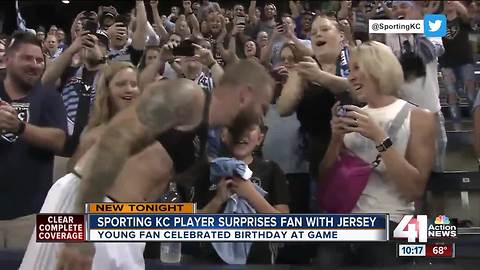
x=241, y=97
x=32, y=130
x=78, y=83
x=304, y=24
x=267, y=24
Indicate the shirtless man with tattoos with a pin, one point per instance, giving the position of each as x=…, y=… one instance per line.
x=244, y=92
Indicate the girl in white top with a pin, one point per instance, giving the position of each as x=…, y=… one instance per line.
x=400, y=179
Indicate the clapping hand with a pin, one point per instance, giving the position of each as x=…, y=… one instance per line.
x=9, y=121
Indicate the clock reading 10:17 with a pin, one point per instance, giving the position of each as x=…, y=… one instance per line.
x=407, y=250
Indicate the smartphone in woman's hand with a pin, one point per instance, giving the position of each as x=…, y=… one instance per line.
x=345, y=99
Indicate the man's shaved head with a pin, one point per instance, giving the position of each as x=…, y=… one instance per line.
x=248, y=72
x=242, y=95
x=176, y=102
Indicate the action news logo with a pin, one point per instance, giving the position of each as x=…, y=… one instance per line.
x=418, y=228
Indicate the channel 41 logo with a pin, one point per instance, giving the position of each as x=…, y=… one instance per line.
x=413, y=228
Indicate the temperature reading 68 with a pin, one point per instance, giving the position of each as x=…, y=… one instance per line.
x=440, y=250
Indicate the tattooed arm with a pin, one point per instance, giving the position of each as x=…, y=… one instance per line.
x=164, y=105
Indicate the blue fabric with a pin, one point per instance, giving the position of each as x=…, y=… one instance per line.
x=214, y=144
x=228, y=167
x=233, y=252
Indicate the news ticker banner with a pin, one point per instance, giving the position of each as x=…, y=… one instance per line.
x=115, y=222
x=234, y=227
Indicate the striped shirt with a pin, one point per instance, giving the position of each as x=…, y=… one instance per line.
x=70, y=96
x=205, y=81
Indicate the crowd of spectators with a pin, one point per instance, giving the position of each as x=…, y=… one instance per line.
x=60, y=89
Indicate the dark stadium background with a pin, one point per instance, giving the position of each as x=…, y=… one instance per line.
x=48, y=12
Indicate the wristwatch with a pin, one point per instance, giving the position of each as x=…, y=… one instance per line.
x=384, y=145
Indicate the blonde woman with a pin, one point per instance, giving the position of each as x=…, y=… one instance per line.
x=141, y=179
x=406, y=159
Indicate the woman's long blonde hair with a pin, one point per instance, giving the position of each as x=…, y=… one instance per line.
x=103, y=109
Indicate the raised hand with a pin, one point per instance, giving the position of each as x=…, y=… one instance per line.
x=166, y=53
x=83, y=40
x=187, y=6
x=117, y=30
x=346, y=4
x=277, y=32
x=154, y=3
x=237, y=29
x=288, y=32
x=204, y=56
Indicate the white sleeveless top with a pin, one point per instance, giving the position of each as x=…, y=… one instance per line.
x=380, y=195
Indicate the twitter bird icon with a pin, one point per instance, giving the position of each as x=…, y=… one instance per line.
x=435, y=25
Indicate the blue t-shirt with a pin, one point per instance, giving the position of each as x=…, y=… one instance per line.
x=26, y=171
